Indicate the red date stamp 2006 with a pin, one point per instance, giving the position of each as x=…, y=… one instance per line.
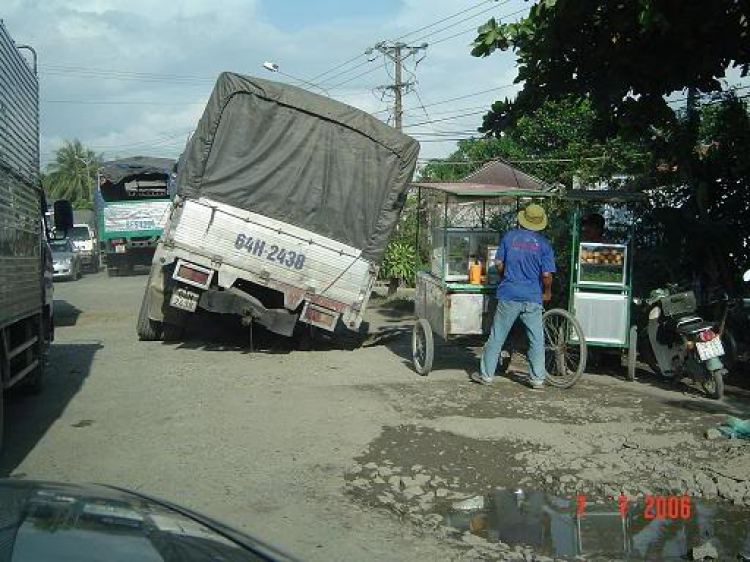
x=656, y=507
x=667, y=507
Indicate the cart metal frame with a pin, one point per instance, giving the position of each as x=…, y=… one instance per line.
x=581, y=200
x=456, y=309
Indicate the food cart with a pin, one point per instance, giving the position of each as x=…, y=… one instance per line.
x=601, y=273
x=465, y=220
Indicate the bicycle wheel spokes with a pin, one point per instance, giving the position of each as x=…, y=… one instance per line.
x=565, y=348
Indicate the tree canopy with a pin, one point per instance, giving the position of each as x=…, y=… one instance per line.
x=625, y=59
x=624, y=56
x=555, y=142
x=71, y=175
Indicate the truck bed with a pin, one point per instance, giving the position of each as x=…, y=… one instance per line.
x=273, y=253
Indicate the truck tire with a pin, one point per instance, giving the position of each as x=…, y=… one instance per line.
x=148, y=330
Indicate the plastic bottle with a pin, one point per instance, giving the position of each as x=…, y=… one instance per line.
x=475, y=273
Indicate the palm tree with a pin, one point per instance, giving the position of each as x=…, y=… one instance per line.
x=73, y=172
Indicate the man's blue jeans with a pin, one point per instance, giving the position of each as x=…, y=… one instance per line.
x=506, y=314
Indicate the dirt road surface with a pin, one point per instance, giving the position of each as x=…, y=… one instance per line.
x=347, y=454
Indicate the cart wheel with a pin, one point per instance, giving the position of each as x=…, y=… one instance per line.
x=632, y=353
x=565, y=348
x=422, y=347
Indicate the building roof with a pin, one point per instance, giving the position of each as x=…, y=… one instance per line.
x=495, y=179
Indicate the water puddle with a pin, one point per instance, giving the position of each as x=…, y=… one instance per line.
x=660, y=529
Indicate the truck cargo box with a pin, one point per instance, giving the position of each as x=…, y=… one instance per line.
x=286, y=200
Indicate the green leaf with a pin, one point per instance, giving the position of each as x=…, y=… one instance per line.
x=491, y=24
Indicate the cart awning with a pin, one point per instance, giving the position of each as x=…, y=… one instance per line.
x=495, y=179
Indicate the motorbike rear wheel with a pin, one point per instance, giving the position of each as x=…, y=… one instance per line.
x=713, y=384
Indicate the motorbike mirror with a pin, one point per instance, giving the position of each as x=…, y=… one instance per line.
x=746, y=276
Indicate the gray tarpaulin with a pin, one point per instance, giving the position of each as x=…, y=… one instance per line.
x=118, y=170
x=300, y=158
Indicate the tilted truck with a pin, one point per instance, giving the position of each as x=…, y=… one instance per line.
x=26, y=311
x=131, y=202
x=285, y=203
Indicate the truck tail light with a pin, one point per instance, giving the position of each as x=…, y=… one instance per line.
x=192, y=274
x=188, y=273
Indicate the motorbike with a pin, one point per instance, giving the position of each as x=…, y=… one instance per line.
x=677, y=342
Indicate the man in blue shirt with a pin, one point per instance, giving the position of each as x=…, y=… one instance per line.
x=525, y=262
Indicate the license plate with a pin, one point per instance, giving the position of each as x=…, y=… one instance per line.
x=710, y=349
x=120, y=249
x=184, y=300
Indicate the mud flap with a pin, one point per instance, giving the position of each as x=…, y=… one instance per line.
x=232, y=301
x=714, y=364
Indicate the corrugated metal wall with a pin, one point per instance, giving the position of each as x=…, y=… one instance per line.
x=19, y=110
x=20, y=204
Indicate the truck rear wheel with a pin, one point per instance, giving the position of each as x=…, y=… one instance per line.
x=148, y=330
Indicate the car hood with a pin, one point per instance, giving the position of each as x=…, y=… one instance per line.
x=46, y=521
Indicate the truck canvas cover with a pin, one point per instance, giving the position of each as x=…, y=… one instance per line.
x=139, y=215
x=125, y=168
x=302, y=159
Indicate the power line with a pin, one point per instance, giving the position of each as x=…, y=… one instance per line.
x=365, y=73
x=441, y=102
x=454, y=24
x=165, y=136
x=446, y=19
x=105, y=74
x=119, y=102
x=444, y=140
x=443, y=39
x=356, y=57
x=330, y=78
x=445, y=119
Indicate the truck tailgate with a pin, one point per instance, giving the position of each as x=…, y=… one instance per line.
x=270, y=249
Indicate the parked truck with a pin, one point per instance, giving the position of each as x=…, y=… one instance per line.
x=285, y=203
x=131, y=202
x=26, y=306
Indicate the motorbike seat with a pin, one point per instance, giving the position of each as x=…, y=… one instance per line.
x=699, y=325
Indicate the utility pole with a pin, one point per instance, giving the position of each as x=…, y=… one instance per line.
x=398, y=53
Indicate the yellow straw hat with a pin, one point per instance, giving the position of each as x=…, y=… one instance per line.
x=533, y=217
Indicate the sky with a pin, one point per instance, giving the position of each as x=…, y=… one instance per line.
x=131, y=77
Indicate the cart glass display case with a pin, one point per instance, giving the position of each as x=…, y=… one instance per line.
x=602, y=264
x=457, y=248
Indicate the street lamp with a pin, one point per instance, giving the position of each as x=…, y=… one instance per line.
x=273, y=67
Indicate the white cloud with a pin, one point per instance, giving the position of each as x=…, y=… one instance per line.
x=200, y=38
